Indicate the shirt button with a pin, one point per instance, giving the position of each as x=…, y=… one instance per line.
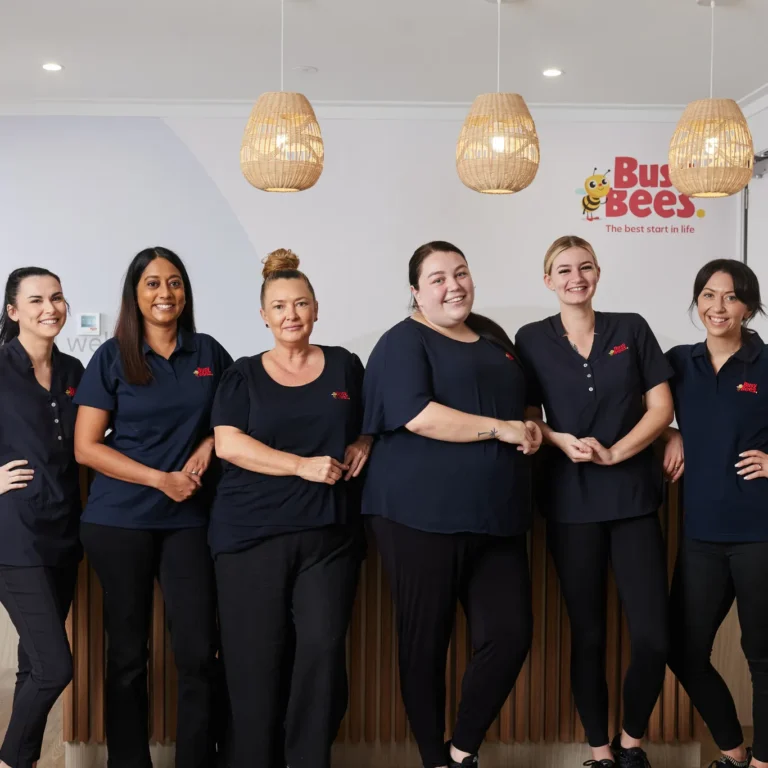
x=55, y=421
x=53, y=404
x=586, y=365
x=591, y=389
x=59, y=437
x=589, y=375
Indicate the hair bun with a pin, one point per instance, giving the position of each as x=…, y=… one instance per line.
x=279, y=260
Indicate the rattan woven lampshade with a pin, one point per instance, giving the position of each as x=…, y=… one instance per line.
x=498, y=148
x=711, y=153
x=282, y=148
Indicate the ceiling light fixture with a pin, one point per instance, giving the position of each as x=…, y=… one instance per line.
x=282, y=148
x=711, y=153
x=553, y=72
x=51, y=66
x=498, y=148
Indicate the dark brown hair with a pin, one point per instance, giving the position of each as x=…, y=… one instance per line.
x=129, y=329
x=481, y=325
x=282, y=264
x=9, y=329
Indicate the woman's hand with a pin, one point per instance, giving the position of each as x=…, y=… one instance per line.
x=754, y=465
x=200, y=460
x=356, y=455
x=601, y=455
x=576, y=450
x=674, y=458
x=179, y=486
x=12, y=478
x=519, y=433
x=321, y=469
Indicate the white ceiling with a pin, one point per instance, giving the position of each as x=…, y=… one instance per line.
x=613, y=51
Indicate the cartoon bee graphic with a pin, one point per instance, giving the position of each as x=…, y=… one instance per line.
x=597, y=188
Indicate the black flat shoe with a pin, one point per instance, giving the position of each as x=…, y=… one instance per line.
x=634, y=757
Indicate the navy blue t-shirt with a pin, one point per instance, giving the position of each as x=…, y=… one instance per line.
x=317, y=419
x=434, y=485
x=720, y=416
x=39, y=524
x=600, y=396
x=159, y=424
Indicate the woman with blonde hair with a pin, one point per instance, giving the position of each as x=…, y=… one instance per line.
x=602, y=381
x=284, y=529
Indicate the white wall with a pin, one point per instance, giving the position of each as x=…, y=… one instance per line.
x=757, y=239
x=81, y=195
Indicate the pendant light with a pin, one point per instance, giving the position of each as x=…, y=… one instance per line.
x=282, y=149
x=711, y=153
x=498, y=148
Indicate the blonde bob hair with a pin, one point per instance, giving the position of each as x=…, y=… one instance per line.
x=563, y=244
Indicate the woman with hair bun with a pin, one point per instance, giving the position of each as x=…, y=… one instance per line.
x=284, y=529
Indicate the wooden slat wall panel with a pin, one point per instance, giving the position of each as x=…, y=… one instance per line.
x=540, y=708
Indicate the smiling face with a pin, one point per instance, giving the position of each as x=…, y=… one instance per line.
x=289, y=310
x=160, y=293
x=720, y=310
x=40, y=308
x=445, y=292
x=573, y=276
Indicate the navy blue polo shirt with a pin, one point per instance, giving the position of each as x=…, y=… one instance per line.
x=158, y=424
x=434, y=485
x=720, y=416
x=317, y=419
x=602, y=397
x=39, y=524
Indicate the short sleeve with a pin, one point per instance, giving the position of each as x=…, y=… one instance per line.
x=231, y=405
x=398, y=380
x=534, y=396
x=654, y=366
x=98, y=387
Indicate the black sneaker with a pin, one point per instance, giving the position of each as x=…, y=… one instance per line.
x=469, y=761
x=634, y=757
x=729, y=762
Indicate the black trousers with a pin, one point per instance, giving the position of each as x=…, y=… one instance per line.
x=428, y=573
x=37, y=600
x=127, y=562
x=708, y=577
x=635, y=549
x=284, y=609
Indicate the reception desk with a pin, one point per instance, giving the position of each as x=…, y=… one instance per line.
x=540, y=709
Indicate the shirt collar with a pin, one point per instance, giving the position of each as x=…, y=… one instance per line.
x=18, y=351
x=747, y=352
x=185, y=340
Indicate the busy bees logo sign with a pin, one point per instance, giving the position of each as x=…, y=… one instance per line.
x=632, y=191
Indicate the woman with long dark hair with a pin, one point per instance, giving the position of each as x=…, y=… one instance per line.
x=448, y=499
x=602, y=382
x=39, y=500
x=152, y=387
x=720, y=387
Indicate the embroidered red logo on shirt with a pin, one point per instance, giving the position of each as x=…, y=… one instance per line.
x=340, y=395
x=618, y=350
x=203, y=372
x=509, y=357
x=747, y=387
x=70, y=391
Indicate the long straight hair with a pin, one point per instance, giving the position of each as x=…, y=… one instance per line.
x=129, y=329
x=9, y=329
x=480, y=324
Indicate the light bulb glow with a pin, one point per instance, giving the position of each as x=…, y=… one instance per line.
x=498, y=143
x=52, y=67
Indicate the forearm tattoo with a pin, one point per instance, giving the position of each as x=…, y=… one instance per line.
x=492, y=433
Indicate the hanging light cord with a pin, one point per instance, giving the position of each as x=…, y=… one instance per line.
x=712, y=53
x=282, y=40
x=498, y=46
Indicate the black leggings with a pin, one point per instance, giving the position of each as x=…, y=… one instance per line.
x=428, y=572
x=708, y=577
x=127, y=562
x=635, y=548
x=285, y=606
x=37, y=600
